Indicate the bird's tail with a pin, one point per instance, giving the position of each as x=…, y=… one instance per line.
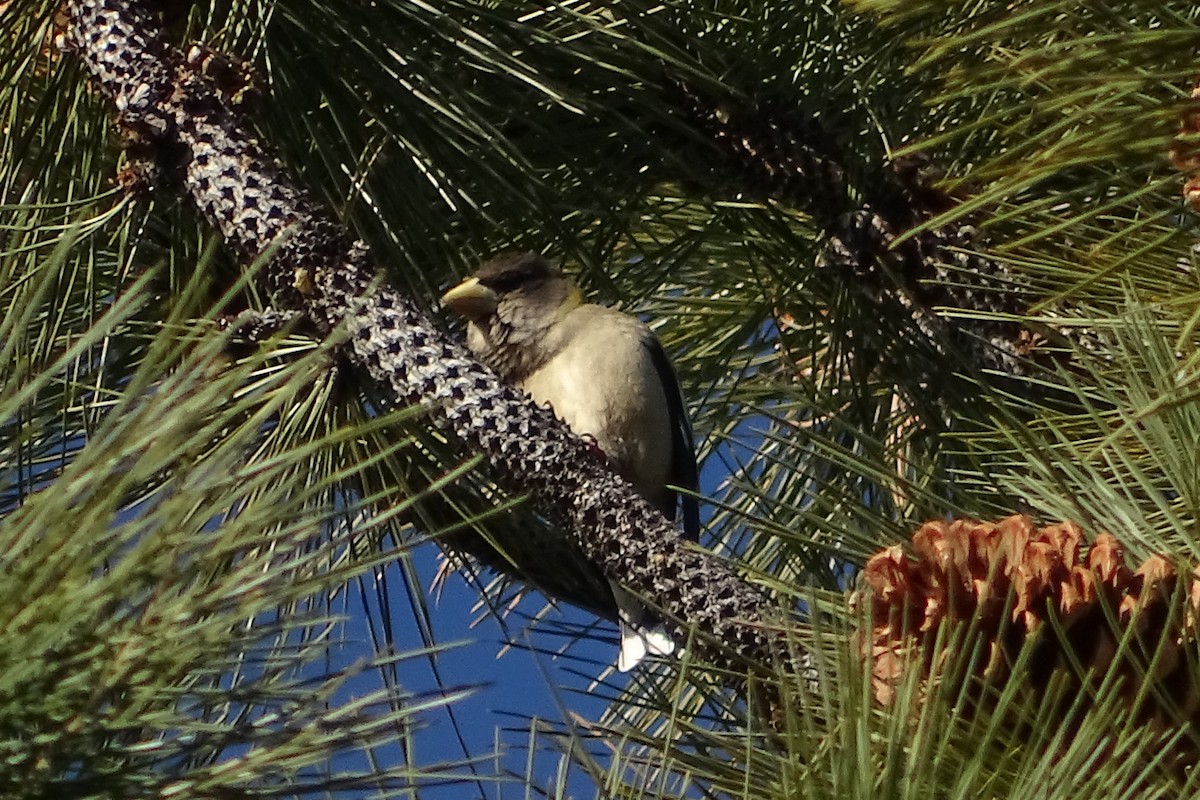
x=641, y=632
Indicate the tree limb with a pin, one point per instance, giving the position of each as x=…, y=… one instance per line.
x=316, y=269
x=794, y=160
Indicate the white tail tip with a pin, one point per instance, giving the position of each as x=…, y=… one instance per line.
x=637, y=640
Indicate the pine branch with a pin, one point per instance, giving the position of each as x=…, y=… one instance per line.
x=314, y=268
x=795, y=160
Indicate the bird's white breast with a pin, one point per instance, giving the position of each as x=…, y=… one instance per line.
x=602, y=381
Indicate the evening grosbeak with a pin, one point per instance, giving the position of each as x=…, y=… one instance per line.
x=606, y=375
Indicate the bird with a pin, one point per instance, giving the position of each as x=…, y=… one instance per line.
x=605, y=374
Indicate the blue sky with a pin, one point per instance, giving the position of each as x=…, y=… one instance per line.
x=514, y=683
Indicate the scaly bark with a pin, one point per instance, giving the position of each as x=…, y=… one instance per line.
x=186, y=128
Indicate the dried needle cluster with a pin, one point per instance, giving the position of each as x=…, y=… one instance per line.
x=1084, y=610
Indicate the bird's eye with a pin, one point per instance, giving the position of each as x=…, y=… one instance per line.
x=506, y=281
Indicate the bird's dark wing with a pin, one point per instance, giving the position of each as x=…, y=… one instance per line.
x=683, y=455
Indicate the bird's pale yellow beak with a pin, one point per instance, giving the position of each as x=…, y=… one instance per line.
x=471, y=299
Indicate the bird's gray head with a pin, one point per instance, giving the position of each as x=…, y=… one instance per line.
x=512, y=304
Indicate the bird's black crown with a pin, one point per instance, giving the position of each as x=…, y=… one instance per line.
x=507, y=272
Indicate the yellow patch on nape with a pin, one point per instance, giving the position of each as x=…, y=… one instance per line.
x=572, y=301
